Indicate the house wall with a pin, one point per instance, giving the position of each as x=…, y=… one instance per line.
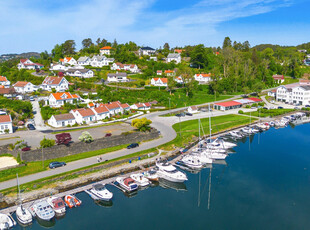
x=4, y=126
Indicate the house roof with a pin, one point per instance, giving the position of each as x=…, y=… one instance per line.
x=23, y=60
x=140, y=105
x=125, y=105
x=244, y=101
x=147, y=48
x=91, y=104
x=101, y=109
x=64, y=117
x=20, y=84
x=159, y=71
x=112, y=105
x=67, y=59
x=5, y=118
x=255, y=99
x=164, y=80
x=168, y=71
x=7, y=91
x=81, y=70
x=147, y=104
x=117, y=74
x=85, y=112
x=106, y=48
x=228, y=103
x=61, y=60
x=64, y=96
x=173, y=55
x=2, y=78
x=52, y=80
x=278, y=77
x=194, y=107
x=203, y=74
x=82, y=59
x=178, y=50
x=306, y=87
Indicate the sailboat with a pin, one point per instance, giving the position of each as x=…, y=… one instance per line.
x=23, y=215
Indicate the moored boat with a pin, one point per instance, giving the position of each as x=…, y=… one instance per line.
x=23, y=215
x=170, y=173
x=6, y=222
x=72, y=201
x=57, y=204
x=140, y=179
x=151, y=175
x=43, y=210
x=99, y=192
x=127, y=183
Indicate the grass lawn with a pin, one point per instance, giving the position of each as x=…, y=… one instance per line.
x=86, y=127
x=289, y=80
x=269, y=112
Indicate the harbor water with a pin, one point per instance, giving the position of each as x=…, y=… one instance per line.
x=264, y=185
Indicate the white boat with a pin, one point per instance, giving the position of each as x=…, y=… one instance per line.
x=140, y=179
x=23, y=215
x=235, y=134
x=170, y=173
x=220, y=143
x=151, y=175
x=127, y=183
x=43, y=210
x=191, y=161
x=246, y=130
x=6, y=222
x=100, y=192
x=215, y=155
x=57, y=204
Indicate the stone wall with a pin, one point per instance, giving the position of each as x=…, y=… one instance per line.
x=79, y=147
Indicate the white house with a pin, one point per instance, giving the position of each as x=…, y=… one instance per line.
x=27, y=64
x=106, y=50
x=278, y=78
x=101, y=112
x=113, y=107
x=58, y=67
x=59, y=99
x=159, y=72
x=299, y=94
x=141, y=106
x=192, y=109
x=4, y=81
x=169, y=73
x=133, y=68
x=179, y=80
x=62, y=120
x=100, y=61
x=147, y=51
x=176, y=57
x=60, y=84
x=68, y=60
x=203, y=77
x=117, y=77
x=84, y=115
x=159, y=81
x=83, y=61
x=84, y=73
x=272, y=93
x=6, y=124
x=24, y=87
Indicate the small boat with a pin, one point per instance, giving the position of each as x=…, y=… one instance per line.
x=170, y=173
x=72, y=201
x=127, y=183
x=246, y=130
x=57, y=204
x=215, y=155
x=43, y=210
x=6, y=222
x=23, y=215
x=99, y=192
x=151, y=175
x=191, y=161
x=140, y=179
x=235, y=134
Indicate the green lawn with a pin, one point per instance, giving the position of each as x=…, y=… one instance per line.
x=269, y=112
x=289, y=80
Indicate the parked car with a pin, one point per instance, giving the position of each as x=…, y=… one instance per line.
x=188, y=114
x=182, y=114
x=31, y=127
x=56, y=164
x=31, y=98
x=297, y=108
x=108, y=134
x=133, y=145
x=178, y=115
x=280, y=107
x=265, y=108
x=272, y=101
x=307, y=106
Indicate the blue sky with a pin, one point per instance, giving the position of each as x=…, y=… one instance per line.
x=37, y=25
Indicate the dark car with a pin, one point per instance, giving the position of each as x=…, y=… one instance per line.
x=108, y=134
x=178, y=115
x=133, y=145
x=188, y=114
x=56, y=164
x=280, y=107
x=31, y=127
x=307, y=106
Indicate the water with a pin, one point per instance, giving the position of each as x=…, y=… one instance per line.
x=265, y=185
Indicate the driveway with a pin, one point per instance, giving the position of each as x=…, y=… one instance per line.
x=39, y=123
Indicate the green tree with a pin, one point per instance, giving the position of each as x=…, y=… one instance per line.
x=57, y=52
x=142, y=124
x=69, y=47
x=46, y=143
x=226, y=43
x=166, y=46
x=86, y=137
x=87, y=42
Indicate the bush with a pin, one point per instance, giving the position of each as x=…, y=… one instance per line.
x=86, y=137
x=240, y=112
x=46, y=143
x=142, y=124
x=247, y=106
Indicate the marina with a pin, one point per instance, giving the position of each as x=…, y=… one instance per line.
x=228, y=139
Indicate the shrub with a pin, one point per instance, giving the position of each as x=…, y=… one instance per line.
x=240, y=112
x=247, y=106
x=46, y=143
x=86, y=137
x=142, y=124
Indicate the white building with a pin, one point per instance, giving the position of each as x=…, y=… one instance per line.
x=159, y=81
x=83, y=61
x=106, y=50
x=4, y=81
x=62, y=120
x=133, y=68
x=147, y=51
x=84, y=115
x=100, y=61
x=203, y=77
x=60, y=84
x=278, y=78
x=101, y=112
x=24, y=87
x=59, y=99
x=83, y=73
x=58, y=67
x=6, y=124
x=176, y=57
x=117, y=77
x=179, y=80
x=193, y=109
x=298, y=95
x=141, y=106
x=68, y=60
x=27, y=64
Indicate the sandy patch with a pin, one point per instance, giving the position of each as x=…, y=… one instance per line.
x=7, y=162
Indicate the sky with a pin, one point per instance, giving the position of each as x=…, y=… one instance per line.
x=37, y=25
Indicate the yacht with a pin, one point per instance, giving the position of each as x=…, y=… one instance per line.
x=72, y=201
x=215, y=155
x=140, y=179
x=235, y=134
x=246, y=130
x=100, y=192
x=203, y=158
x=219, y=142
x=170, y=173
x=6, y=222
x=127, y=183
x=23, y=215
x=151, y=175
x=191, y=161
x=57, y=204
x=43, y=210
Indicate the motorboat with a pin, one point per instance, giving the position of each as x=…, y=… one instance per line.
x=151, y=175
x=254, y=129
x=127, y=183
x=57, y=204
x=246, y=130
x=219, y=142
x=72, y=201
x=100, y=192
x=140, y=179
x=215, y=155
x=170, y=173
x=235, y=134
x=191, y=161
x=6, y=222
x=204, y=159
x=23, y=215
x=43, y=210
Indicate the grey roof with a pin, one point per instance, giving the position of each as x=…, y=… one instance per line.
x=117, y=74
x=173, y=55
x=82, y=59
x=110, y=59
x=306, y=87
x=99, y=57
x=81, y=70
x=64, y=117
x=147, y=48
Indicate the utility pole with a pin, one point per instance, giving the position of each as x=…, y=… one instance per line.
x=169, y=105
x=42, y=158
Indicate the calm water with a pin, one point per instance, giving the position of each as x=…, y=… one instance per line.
x=265, y=185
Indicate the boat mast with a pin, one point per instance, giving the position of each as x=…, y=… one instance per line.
x=209, y=195
x=210, y=122
x=18, y=196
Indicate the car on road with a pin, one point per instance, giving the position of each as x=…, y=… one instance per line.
x=188, y=114
x=178, y=115
x=297, y=108
x=272, y=101
x=280, y=107
x=108, y=134
x=31, y=98
x=307, y=106
x=31, y=127
x=133, y=145
x=56, y=164
x=265, y=108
